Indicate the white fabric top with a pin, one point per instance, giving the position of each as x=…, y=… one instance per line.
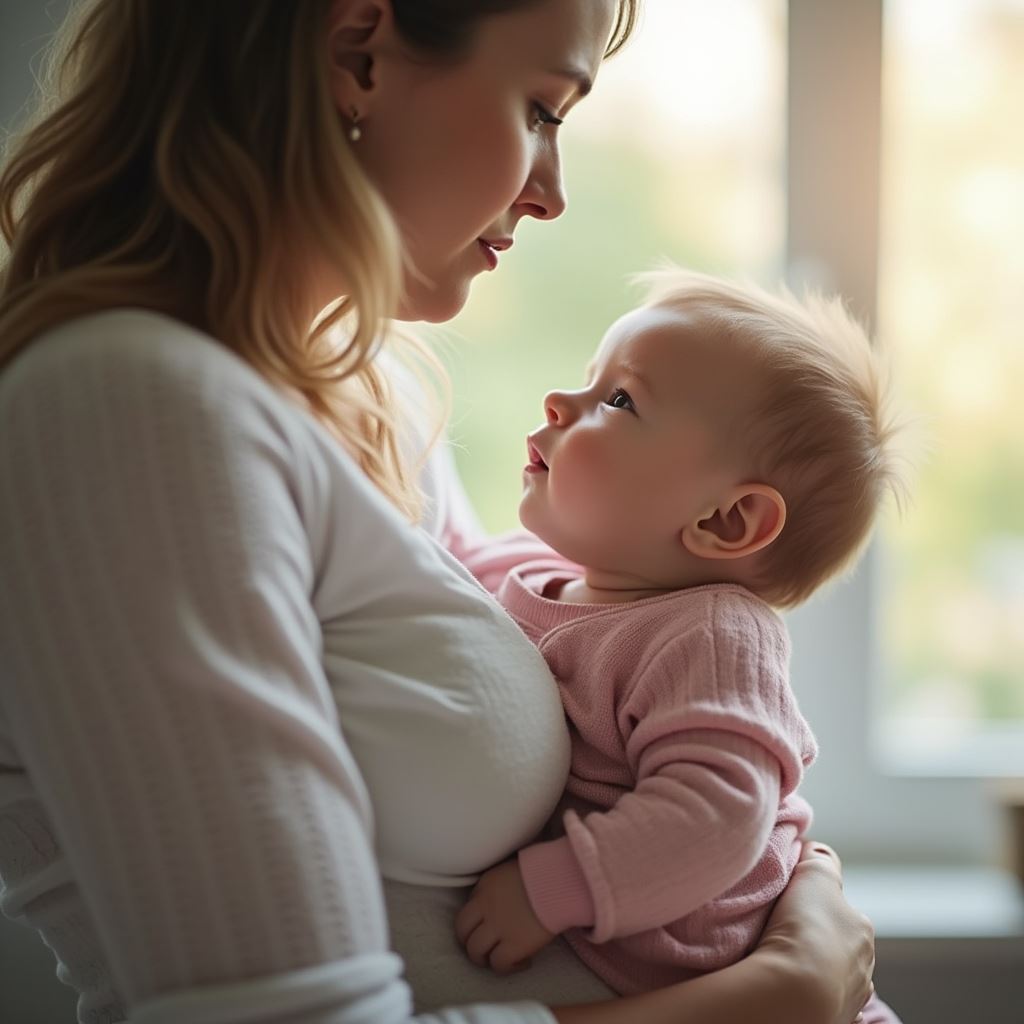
x=199, y=587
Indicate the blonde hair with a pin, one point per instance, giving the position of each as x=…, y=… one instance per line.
x=822, y=428
x=176, y=153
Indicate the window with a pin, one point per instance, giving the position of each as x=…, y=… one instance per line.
x=951, y=305
x=835, y=225
x=746, y=136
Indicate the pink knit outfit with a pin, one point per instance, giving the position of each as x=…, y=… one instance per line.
x=681, y=824
x=680, y=818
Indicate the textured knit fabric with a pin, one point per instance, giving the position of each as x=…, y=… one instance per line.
x=234, y=682
x=688, y=744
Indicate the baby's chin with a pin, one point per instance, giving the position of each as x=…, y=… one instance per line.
x=529, y=522
x=559, y=544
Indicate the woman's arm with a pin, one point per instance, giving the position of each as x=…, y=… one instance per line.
x=812, y=966
x=162, y=680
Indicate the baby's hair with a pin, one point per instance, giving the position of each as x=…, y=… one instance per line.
x=821, y=430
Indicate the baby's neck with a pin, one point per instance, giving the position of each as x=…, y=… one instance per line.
x=580, y=592
x=598, y=586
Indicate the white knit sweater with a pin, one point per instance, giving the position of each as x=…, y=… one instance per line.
x=234, y=682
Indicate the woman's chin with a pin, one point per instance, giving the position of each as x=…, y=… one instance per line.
x=433, y=305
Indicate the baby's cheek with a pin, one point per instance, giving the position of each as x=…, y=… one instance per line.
x=586, y=473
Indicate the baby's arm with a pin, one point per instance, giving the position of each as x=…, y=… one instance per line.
x=713, y=738
x=696, y=823
x=694, y=826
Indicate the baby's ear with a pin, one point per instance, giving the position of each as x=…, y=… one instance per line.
x=747, y=520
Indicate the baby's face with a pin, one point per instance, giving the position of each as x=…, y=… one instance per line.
x=623, y=463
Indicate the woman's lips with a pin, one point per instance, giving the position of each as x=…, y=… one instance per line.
x=491, y=247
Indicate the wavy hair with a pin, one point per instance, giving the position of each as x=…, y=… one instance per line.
x=176, y=151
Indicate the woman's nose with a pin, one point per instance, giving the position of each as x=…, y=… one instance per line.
x=543, y=195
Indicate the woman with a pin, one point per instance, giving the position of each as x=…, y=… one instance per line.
x=240, y=682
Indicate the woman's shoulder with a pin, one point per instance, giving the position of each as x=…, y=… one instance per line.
x=121, y=347
x=160, y=398
x=148, y=380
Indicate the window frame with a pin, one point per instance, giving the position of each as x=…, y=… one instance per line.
x=871, y=803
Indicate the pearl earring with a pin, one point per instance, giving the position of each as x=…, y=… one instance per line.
x=355, y=133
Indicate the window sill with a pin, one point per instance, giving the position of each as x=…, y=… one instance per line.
x=941, y=748
x=949, y=941
x=907, y=902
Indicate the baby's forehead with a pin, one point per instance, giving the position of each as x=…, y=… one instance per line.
x=690, y=362
x=662, y=339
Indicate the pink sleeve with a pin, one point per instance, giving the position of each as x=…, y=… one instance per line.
x=714, y=741
x=696, y=824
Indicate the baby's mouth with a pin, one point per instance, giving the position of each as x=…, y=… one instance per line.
x=535, y=456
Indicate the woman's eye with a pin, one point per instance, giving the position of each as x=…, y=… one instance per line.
x=619, y=399
x=543, y=116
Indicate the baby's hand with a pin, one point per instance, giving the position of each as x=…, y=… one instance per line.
x=497, y=925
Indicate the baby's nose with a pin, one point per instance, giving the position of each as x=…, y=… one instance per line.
x=556, y=406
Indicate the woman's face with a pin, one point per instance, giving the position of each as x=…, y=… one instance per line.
x=461, y=153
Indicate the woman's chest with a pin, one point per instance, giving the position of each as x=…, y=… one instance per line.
x=451, y=714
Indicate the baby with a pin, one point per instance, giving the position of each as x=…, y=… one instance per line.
x=727, y=455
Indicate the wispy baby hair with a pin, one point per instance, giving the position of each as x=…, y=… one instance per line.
x=821, y=430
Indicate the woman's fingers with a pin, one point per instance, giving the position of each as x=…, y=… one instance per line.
x=834, y=940
x=821, y=854
x=817, y=856
x=871, y=993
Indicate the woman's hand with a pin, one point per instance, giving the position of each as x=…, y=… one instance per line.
x=812, y=966
x=813, y=927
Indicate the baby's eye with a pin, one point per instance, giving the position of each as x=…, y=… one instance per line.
x=619, y=399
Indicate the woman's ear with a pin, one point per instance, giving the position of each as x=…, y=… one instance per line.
x=749, y=519
x=357, y=33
